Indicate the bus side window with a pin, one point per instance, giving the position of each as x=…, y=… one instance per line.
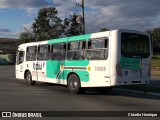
x=58, y=51
x=91, y=45
x=97, y=49
x=43, y=52
x=76, y=50
x=20, y=57
x=83, y=45
x=31, y=53
x=105, y=42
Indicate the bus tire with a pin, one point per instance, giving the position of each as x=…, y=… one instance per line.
x=29, y=78
x=74, y=85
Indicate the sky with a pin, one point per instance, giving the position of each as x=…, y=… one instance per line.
x=114, y=14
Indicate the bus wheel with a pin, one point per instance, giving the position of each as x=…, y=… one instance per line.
x=29, y=78
x=74, y=84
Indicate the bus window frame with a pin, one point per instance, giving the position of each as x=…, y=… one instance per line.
x=46, y=56
x=19, y=58
x=62, y=51
x=32, y=54
x=83, y=50
x=92, y=48
x=135, y=54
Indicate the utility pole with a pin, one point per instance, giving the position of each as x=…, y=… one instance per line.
x=82, y=6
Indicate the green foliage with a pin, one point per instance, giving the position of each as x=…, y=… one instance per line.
x=155, y=36
x=104, y=29
x=47, y=25
x=72, y=28
x=25, y=37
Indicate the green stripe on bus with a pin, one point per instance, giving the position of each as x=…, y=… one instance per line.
x=83, y=75
x=130, y=63
x=53, y=66
x=76, y=62
x=59, y=40
x=81, y=37
x=68, y=39
x=53, y=69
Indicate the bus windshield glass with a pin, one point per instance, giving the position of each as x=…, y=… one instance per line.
x=135, y=45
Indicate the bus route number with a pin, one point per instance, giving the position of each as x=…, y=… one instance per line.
x=100, y=68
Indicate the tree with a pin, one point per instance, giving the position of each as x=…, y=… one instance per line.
x=155, y=37
x=47, y=25
x=26, y=36
x=104, y=29
x=71, y=26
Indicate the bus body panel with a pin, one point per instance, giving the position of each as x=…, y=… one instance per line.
x=92, y=73
x=134, y=70
x=99, y=73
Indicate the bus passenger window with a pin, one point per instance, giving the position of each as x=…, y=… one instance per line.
x=58, y=51
x=97, y=49
x=76, y=50
x=31, y=53
x=91, y=45
x=43, y=52
x=20, y=57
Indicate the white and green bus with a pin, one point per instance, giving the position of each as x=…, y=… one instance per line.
x=100, y=60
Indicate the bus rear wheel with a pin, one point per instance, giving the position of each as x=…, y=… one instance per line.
x=74, y=85
x=29, y=78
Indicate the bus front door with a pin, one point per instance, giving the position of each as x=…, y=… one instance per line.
x=19, y=65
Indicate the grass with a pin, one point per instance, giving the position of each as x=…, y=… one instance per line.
x=156, y=56
x=143, y=88
x=155, y=60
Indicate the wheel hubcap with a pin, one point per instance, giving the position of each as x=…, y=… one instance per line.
x=28, y=78
x=73, y=84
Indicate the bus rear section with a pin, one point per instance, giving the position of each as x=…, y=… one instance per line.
x=133, y=59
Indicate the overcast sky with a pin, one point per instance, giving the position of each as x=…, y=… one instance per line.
x=113, y=14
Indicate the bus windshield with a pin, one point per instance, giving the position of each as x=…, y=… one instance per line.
x=135, y=45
